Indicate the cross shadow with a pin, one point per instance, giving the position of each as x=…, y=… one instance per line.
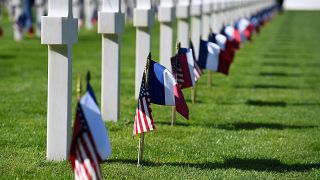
x=266, y=103
x=7, y=56
x=278, y=74
x=277, y=56
x=264, y=165
x=253, y=126
x=262, y=86
x=280, y=64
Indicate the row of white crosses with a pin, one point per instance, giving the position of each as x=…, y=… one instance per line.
x=60, y=32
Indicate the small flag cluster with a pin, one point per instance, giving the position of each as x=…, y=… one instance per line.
x=90, y=142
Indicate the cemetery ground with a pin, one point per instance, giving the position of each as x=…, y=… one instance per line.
x=261, y=121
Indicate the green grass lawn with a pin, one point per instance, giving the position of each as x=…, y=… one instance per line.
x=260, y=122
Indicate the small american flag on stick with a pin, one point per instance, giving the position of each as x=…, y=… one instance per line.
x=143, y=119
x=83, y=155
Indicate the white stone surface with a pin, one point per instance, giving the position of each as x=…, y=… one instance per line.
x=89, y=7
x=166, y=16
x=143, y=21
x=196, y=26
x=302, y=5
x=59, y=24
x=206, y=19
x=110, y=25
x=183, y=15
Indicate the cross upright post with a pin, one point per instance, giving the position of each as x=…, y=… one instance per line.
x=143, y=21
x=183, y=16
x=59, y=31
x=196, y=11
x=166, y=18
x=110, y=25
x=206, y=21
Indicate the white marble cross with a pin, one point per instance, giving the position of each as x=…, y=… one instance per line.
x=59, y=31
x=206, y=18
x=143, y=21
x=17, y=29
x=196, y=11
x=183, y=15
x=110, y=25
x=166, y=18
x=89, y=7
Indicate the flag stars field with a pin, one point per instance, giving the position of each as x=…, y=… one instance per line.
x=260, y=122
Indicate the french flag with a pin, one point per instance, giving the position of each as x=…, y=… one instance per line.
x=210, y=58
x=164, y=89
x=225, y=55
x=227, y=49
x=232, y=35
x=183, y=68
x=245, y=28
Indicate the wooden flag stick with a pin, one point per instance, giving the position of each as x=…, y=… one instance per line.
x=141, y=139
x=140, y=152
x=79, y=88
x=194, y=93
x=174, y=117
x=209, y=78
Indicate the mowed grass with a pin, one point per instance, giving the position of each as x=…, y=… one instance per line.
x=260, y=122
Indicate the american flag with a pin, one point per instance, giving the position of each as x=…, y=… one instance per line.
x=197, y=71
x=83, y=155
x=143, y=121
x=177, y=70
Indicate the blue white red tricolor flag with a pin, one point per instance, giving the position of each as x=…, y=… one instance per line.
x=183, y=68
x=90, y=142
x=164, y=89
x=232, y=35
x=211, y=57
x=143, y=121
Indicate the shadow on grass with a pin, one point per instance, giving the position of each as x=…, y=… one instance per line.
x=7, y=56
x=279, y=103
x=261, y=103
x=278, y=74
x=263, y=86
x=280, y=64
x=253, y=126
x=267, y=165
x=278, y=56
x=266, y=103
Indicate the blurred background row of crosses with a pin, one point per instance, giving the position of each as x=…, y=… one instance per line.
x=26, y=14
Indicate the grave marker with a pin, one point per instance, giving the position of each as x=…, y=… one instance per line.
x=59, y=31
x=183, y=15
x=206, y=21
x=143, y=21
x=110, y=25
x=196, y=11
x=166, y=18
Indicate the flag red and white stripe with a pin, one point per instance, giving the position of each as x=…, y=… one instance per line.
x=143, y=121
x=84, y=156
x=197, y=70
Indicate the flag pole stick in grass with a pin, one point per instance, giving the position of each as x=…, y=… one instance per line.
x=174, y=116
x=79, y=88
x=209, y=78
x=194, y=93
x=141, y=139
